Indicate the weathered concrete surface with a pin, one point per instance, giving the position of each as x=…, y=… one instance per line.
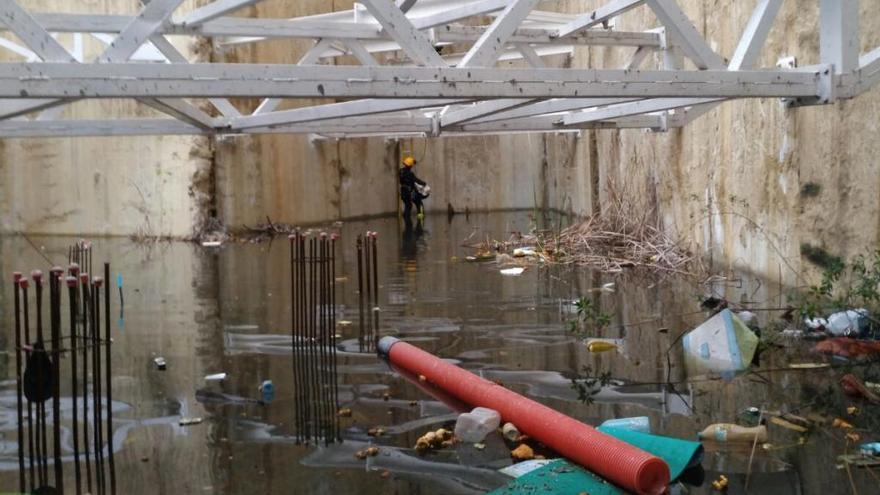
x=732, y=181
x=145, y=186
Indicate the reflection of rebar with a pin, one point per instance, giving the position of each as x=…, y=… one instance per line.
x=374, y=305
x=368, y=263
x=360, y=268
x=337, y=435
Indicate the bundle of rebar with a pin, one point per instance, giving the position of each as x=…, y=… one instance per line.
x=368, y=291
x=39, y=377
x=313, y=330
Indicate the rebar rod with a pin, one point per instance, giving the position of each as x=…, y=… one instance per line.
x=336, y=433
x=86, y=305
x=74, y=387
x=360, y=269
x=16, y=279
x=313, y=289
x=291, y=239
x=40, y=436
x=55, y=328
x=96, y=379
x=109, y=378
x=30, y=406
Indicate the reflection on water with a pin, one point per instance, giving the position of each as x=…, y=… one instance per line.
x=228, y=310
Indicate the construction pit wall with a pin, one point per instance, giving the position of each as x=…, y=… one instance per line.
x=748, y=183
x=141, y=186
x=752, y=181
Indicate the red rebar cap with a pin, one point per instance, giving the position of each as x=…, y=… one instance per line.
x=37, y=275
x=98, y=281
x=23, y=283
x=323, y=235
x=16, y=276
x=71, y=281
x=73, y=269
x=334, y=237
x=84, y=277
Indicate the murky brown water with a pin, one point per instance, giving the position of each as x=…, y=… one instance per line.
x=227, y=310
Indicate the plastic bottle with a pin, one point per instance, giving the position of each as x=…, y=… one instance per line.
x=268, y=390
x=850, y=323
x=872, y=448
x=510, y=431
x=600, y=346
x=640, y=423
x=726, y=432
x=473, y=427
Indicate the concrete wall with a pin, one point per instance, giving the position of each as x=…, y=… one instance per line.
x=149, y=186
x=730, y=182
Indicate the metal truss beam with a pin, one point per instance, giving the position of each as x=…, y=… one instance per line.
x=549, y=107
x=839, y=34
x=214, y=10
x=411, y=40
x=544, y=36
x=599, y=16
x=123, y=80
x=96, y=128
x=486, y=50
x=681, y=28
x=460, y=93
x=333, y=111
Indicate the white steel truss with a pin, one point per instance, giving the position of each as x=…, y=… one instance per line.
x=424, y=67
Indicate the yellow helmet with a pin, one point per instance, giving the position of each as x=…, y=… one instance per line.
x=409, y=161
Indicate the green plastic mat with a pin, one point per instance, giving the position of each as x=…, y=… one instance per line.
x=559, y=477
x=679, y=454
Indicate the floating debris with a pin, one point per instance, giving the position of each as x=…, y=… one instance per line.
x=523, y=453
x=839, y=423
x=345, y=412
x=722, y=344
x=510, y=432
x=597, y=346
x=189, y=421
x=513, y=272
x=624, y=235
x=434, y=439
x=216, y=377
x=368, y=452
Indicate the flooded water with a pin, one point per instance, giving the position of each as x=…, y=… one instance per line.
x=212, y=310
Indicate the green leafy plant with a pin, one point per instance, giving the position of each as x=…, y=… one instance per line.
x=589, y=385
x=843, y=286
x=589, y=315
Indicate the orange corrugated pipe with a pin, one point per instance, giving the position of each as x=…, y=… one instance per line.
x=616, y=461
